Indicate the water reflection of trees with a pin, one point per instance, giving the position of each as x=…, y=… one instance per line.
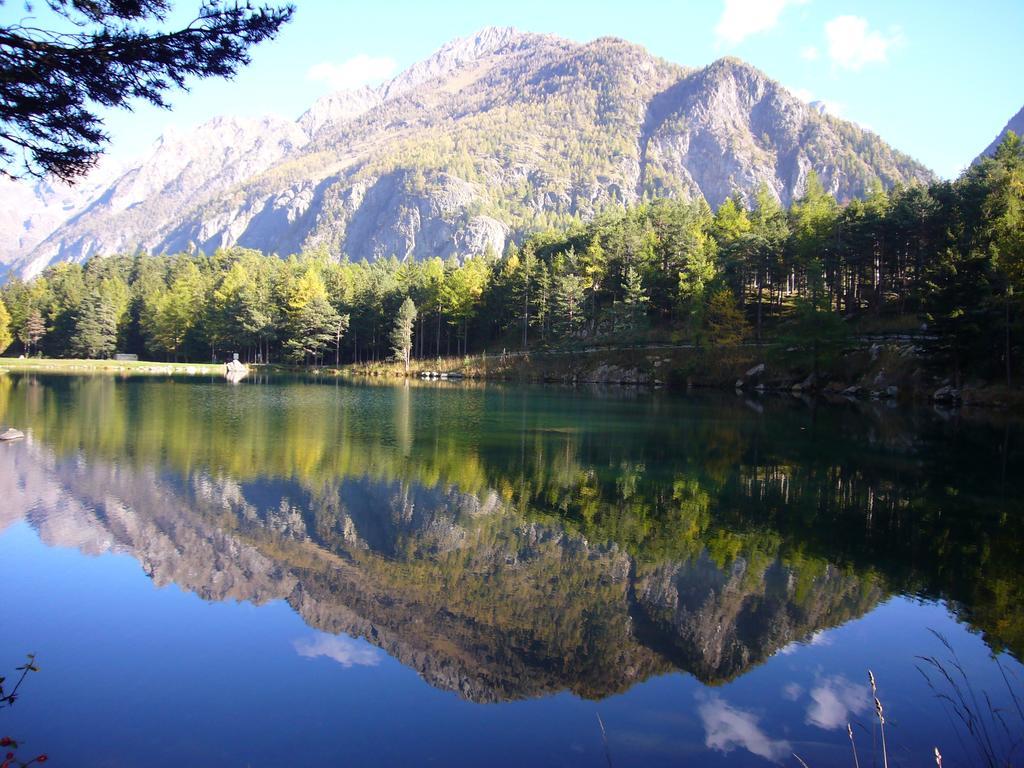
x=793, y=519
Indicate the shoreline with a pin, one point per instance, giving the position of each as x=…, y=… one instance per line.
x=888, y=373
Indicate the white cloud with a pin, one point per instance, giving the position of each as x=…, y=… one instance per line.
x=726, y=728
x=852, y=45
x=834, y=700
x=742, y=18
x=343, y=649
x=357, y=71
x=834, y=108
x=810, y=53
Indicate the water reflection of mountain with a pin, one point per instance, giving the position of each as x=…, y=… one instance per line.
x=478, y=601
x=508, y=549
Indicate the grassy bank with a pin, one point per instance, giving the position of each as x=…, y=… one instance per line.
x=139, y=367
x=878, y=370
x=655, y=365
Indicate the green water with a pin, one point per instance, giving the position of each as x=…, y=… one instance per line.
x=509, y=560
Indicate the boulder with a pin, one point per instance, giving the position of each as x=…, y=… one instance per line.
x=754, y=372
x=12, y=434
x=946, y=394
x=757, y=370
x=805, y=385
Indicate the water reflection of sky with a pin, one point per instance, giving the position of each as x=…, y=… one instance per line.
x=156, y=676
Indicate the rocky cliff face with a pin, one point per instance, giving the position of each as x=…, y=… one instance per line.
x=491, y=137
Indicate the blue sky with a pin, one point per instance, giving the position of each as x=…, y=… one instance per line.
x=937, y=79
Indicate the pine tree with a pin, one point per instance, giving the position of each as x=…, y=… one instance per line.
x=5, y=328
x=764, y=247
x=594, y=265
x=570, y=288
x=178, y=310
x=313, y=328
x=726, y=325
x=258, y=316
x=96, y=327
x=815, y=327
x=108, y=53
x=958, y=296
x=812, y=216
x=632, y=310
x=542, y=299
x=401, y=334
x=32, y=332
x=225, y=313
x=694, y=281
x=461, y=293
x=527, y=266
x=1004, y=208
x=730, y=222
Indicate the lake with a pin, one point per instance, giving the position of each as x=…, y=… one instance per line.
x=303, y=572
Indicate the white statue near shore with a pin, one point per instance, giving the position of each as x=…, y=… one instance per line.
x=235, y=370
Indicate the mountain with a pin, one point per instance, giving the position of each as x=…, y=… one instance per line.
x=1016, y=125
x=494, y=135
x=31, y=211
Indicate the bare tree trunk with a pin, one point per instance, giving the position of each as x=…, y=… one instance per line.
x=759, y=289
x=526, y=311
x=1006, y=339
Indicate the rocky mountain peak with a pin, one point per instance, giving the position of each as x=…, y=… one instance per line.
x=339, y=107
x=453, y=56
x=1016, y=125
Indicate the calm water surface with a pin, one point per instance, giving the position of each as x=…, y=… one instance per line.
x=322, y=573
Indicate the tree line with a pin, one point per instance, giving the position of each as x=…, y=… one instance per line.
x=950, y=254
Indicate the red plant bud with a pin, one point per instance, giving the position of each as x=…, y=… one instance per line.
x=42, y=759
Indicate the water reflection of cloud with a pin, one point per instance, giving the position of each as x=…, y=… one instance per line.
x=726, y=728
x=343, y=649
x=818, y=638
x=834, y=699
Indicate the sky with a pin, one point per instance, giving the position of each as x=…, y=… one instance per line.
x=937, y=79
